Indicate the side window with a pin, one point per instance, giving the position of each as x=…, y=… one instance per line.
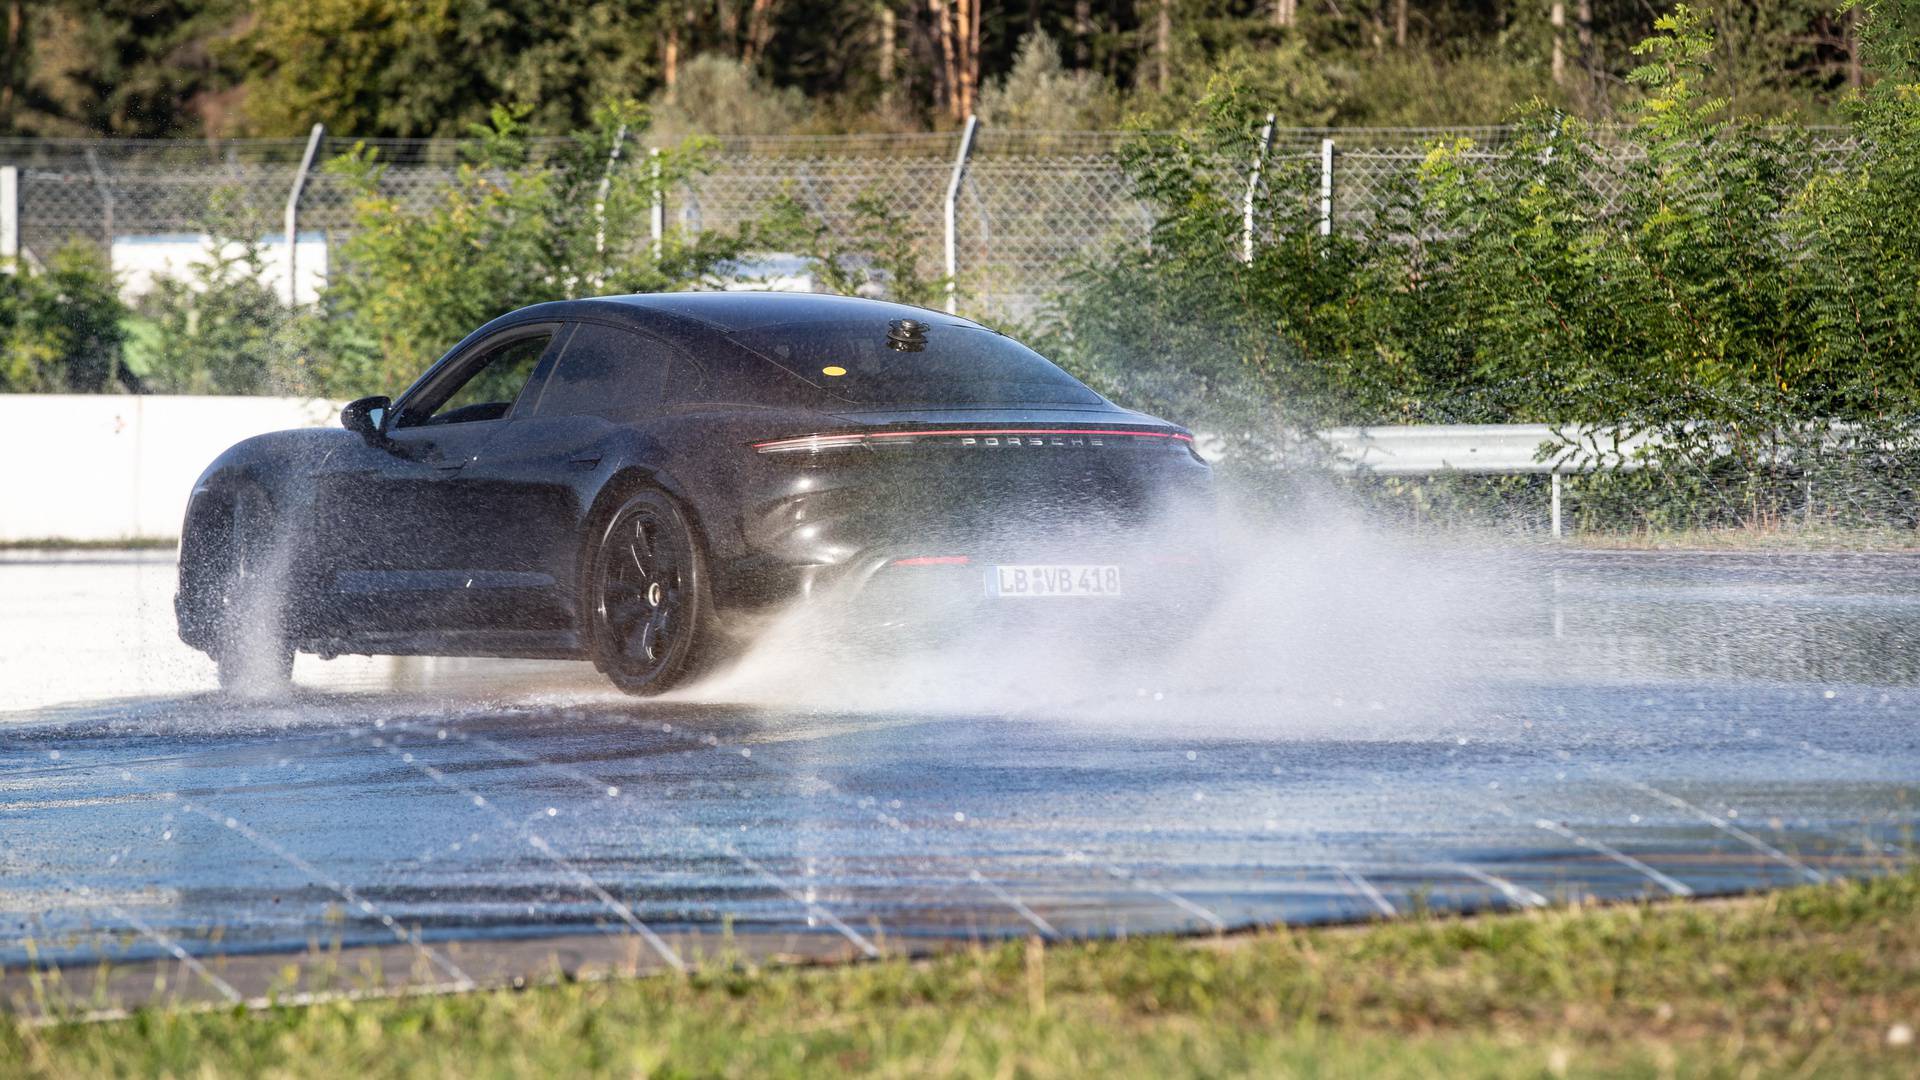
x=686, y=381
x=488, y=390
x=605, y=372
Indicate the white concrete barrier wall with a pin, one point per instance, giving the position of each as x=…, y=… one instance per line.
x=105, y=467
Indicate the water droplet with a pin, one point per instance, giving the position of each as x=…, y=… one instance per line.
x=745, y=752
x=408, y=758
x=1191, y=756
x=479, y=800
x=54, y=755
x=613, y=793
x=958, y=816
x=232, y=824
x=1829, y=695
x=553, y=811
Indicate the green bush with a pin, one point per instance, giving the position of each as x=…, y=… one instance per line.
x=516, y=227
x=1709, y=282
x=60, y=327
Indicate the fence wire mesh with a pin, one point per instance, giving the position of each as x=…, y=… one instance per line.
x=1030, y=203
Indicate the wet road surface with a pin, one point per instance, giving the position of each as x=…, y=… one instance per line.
x=1541, y=727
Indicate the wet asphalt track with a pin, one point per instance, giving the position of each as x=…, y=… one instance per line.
x=1619, y=725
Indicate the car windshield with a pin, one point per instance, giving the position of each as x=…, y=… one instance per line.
x=907, y=362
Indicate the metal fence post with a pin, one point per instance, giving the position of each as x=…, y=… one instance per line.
x=1326, y=187
x=106, y=193
x=657, y=219
x=9, y=215
x=1253, y=187
x=606, y=186
x=952, y=211
x=1555, y=498
x=293, y=212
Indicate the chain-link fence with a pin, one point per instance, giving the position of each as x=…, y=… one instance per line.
x=1027, y=206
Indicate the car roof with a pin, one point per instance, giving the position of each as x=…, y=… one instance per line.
x=729, y=312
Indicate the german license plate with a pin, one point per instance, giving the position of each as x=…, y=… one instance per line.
x=1035, y=581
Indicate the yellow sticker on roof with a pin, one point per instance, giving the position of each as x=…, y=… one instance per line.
x=833, y=369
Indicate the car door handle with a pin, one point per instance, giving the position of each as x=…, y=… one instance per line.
x=586, y=461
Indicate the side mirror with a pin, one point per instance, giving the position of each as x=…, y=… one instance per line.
x=363, y=417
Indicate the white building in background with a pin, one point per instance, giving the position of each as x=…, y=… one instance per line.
x=140, y=260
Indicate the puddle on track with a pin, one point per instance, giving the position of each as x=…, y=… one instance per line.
x=1625, y=725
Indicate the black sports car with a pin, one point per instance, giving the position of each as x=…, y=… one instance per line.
x=630, y=479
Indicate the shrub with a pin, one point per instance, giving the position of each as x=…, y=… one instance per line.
x=60, y=327
x=1040, y=94
x=1709, y=282
x=515, y=227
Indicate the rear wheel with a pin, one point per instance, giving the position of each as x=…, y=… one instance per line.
x=647, y=593
x=250, y=646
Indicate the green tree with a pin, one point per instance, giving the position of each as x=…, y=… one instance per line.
x=403, y=68
x=60, y=327
x=218, y=329
x=515, y=228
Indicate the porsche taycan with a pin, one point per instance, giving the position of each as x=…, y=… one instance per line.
x=639, y=480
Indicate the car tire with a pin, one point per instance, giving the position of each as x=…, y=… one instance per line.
x=649, y=608
x=251, y=650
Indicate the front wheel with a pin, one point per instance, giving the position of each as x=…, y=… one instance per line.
x=648, y=603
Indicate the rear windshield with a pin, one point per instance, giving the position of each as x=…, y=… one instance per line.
x=873, y=361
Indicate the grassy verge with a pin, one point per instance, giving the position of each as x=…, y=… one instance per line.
x=1820, y=980
x=137, y=543
x=1810, y=538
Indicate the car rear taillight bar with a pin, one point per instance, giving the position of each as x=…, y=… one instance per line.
x=999, y=436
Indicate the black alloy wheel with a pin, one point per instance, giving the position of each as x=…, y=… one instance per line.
x=648, y=596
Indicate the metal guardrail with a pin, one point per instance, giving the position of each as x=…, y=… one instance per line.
x=1486, y=450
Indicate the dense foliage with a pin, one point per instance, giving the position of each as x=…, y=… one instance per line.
x=516, y=227
x=1700, y=280
x=60, y=326
x=370, y=68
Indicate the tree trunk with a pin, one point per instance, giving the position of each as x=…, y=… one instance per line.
x=1399, y=24
x=1082, y=32
x=948, y=92
x=1163, y=46
x=1856, y=77
x=1557, y=16
x=670, y=56
x=888, y=43
x=13, y=66
x=973, y=57
x=1285, y=12
x=759, y=31
x=1590, y=57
